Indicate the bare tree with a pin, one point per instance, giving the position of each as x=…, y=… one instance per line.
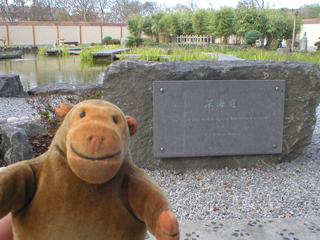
x=51, y=7
x=122, y=10
x=42, y=10
x=193, y=5
x=148, y=8
x=259, y=4
x=6, y=10
x=103, y=7
x=83, y=10
x=75, y=10
x=16, y=10
x=179, y=8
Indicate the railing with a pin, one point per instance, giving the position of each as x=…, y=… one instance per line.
x=194, y=39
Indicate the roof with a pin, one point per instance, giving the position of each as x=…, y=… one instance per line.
x=311, y=21
x=60, y=23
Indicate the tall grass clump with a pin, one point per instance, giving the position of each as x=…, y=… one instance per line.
x=151, y=54
x=87, y=54
x=43, y=50
x=64, y=50
x=65, y=53
x=191, y=55
x=174, y=54
x=270, y=55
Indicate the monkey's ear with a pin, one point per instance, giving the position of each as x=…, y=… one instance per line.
x=62, y=110
x=133, y=126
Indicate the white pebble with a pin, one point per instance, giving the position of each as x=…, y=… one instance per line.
x=25, y=118
x=12, y=120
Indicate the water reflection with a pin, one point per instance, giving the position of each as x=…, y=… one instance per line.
x=35, y=70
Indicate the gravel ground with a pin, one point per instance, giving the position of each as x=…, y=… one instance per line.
x=15, y=107
x=290, y=189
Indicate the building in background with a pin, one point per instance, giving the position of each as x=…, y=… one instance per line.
x=37, y=33
x=312, y=28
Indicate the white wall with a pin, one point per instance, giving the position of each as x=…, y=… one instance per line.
x=91, y=34
x=313, y=32
x=49, y=37
x=30, y=33
x=21, y=35
x=69, y=33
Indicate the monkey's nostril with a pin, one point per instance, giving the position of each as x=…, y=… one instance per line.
x=90, y=138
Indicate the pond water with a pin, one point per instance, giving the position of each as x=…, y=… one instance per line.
x=37, y=69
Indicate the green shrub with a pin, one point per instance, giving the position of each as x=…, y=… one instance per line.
x=252, y=36
x=95, y=44
x=115, y=41
x=134, y=42
x=106, y=40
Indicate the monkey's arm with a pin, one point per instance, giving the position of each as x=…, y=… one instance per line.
x=17, y=186
x=150, y=205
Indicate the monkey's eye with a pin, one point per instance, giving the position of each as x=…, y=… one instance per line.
x=82, y=115
x=115, y=120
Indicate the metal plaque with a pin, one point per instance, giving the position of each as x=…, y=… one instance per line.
x=217, y=118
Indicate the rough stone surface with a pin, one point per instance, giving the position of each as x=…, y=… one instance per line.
x=64, y=88
x=15, y=144
x=283, y=51
x=31, y=127
x=10, y=86
x=128, y=84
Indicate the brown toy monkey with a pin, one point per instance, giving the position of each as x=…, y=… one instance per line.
x=86, y=186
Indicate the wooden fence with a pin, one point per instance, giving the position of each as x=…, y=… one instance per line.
x=194, y=39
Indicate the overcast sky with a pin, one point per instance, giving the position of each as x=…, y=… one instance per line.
x=216, y=4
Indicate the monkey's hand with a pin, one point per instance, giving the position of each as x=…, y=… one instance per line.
x=167, y=227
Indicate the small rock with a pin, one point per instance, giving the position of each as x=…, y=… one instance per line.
x=12, y=120
x=204, y=190
x=3, y=120
x=200, y=177
x=26, y=118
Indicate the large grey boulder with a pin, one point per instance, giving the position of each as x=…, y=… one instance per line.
x=128, y=84
x=30, y=127
x=10, y=86
x=64, y=89
x=15, y=144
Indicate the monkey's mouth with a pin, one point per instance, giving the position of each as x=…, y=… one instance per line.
x=92, y=158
